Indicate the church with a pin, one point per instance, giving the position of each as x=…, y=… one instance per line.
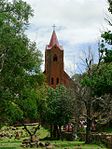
x=54, y=63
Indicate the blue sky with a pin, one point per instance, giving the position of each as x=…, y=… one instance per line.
x=79, y=26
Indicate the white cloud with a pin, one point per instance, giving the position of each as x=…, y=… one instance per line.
x=78, y=22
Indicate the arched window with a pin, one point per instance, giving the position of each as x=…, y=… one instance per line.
x=57, y=81
x=52, y=81
x=55, y=58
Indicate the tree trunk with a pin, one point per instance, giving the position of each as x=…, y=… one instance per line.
x=51, y=131
x=56, y=134
x=31, y=138
x=30, y=134
x=60, y=133
x=55, y=131
x=88, y=128
x=28, y=131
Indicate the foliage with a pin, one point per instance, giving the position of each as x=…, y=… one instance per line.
x=56, y=109
x=94, y=92
x=100, y=81
x=107, y=37
x=108, y=56
x=98, y=96
x=59, y=106
x=110, y=6
x=20, y=61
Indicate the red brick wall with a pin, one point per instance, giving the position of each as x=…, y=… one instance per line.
x=54, y=67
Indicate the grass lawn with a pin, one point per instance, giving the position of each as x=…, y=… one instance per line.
x=7, y=143
x=15, y=144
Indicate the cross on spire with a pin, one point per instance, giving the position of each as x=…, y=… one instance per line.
x=54, y=39
x=54, y=26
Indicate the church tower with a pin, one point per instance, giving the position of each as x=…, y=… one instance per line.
x=54, y=63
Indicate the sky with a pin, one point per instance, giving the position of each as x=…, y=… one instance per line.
x=79, y=24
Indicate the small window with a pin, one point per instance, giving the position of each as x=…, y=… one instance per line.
x=52, y=80
x=57, y=81
x=55, y=59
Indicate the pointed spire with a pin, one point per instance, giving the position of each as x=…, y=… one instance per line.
x=54, y=40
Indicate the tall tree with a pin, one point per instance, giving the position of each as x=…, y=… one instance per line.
x=20, y=60
x=96, y=82
x=93, y=89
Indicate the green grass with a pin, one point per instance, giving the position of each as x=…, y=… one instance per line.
x=9, y=144
x=75, y=145
x=6, y=143
x=7, y=148
x=15, y=144
x=42, y=133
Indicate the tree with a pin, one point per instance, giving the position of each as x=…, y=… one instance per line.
x=20, y=60
x=83, y=102
x=92, y=90
x=107, y=35
x=59, y=109
x=96, y=87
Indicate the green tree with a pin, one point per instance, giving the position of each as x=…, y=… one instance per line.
x=59, y=109
x=107, y=37
x=96, y=86
x=20, y=60
x=96, y=83
x=93, y=89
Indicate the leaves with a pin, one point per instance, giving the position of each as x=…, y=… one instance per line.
x=59, y=106
x=20, y=60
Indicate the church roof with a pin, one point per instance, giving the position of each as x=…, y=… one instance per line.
x=53, y=41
